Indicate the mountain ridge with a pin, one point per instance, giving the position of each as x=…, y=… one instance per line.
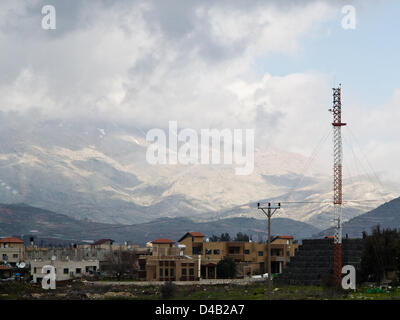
x=22, y=219
x=386, y=215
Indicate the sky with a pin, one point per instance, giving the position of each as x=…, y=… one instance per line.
x=263, y=65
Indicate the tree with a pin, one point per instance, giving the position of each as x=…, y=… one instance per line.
x=242, y=237
x=225, y=237
x=379, y=254
x=214, y=238
x=226, y=268
x=122, y=263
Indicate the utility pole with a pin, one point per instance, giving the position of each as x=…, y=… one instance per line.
x=269, y=212
x=337, y=182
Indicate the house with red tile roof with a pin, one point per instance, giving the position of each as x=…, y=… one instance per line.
x=107, y=242
x=12, y=250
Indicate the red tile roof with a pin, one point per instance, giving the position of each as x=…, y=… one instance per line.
x=285, y=237
x=11, y=240
x=196, y=234
x=193, y=234
x=162, y=241
x=101, y=241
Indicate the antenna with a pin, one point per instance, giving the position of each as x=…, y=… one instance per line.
x=337, y=181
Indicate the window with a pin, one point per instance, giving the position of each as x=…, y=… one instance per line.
x=161, y=273
x=184, y=272
x=66, y=270
x=171, y=273
x=15, y=255
x=166, y=273
x=34, y=270
x=247, y=251
x=260, y=253
x=78, y=270
x=287, y=253
x=161, y=263
x=234, y=250
x=166, y=263
x=275, y=252
x=208, y=251
x=197, y=250
x=87, y=269
x=191, y=272
x=183, y=264
x=216, y=251
x=5, y=256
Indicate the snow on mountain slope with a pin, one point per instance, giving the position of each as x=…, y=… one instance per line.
x=99, y=171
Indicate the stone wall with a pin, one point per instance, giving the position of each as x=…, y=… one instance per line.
x=313, y=262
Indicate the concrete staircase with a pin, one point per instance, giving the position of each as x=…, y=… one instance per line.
x=313, y=262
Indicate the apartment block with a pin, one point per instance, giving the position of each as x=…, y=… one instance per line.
x=200, y=257
x=12, y=250
x=65, y=270
x=168, y=263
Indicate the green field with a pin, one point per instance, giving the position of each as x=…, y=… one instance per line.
x=81, y=291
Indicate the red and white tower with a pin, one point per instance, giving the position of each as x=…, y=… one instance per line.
x=337, y=182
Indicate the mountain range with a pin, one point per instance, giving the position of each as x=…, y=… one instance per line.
x=97, y=171
x=386, y=215
x=24, y=221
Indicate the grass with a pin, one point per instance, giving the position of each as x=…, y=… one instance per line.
x=257, y=291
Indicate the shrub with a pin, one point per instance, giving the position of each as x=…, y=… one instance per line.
x=226, y=268
x=168, y=290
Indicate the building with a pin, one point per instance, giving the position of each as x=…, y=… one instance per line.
x=168, y=263
x=103, y=244
x=12, y=250
x=202, y=256
x=98, y=250
x=65, y=269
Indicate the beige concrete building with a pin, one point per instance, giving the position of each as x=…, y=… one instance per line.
x=167, y=263
x=12, y=250
x=202, y=256
x=65, y=270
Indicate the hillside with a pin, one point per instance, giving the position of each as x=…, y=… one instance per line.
x=23, y=220
x=99, y=171
x=386, y=215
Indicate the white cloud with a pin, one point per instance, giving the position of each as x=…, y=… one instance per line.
x=125, y=61
x=151, y=62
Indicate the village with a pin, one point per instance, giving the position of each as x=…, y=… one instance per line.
x=193, y=257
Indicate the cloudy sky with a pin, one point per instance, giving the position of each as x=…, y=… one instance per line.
x=267, y=65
